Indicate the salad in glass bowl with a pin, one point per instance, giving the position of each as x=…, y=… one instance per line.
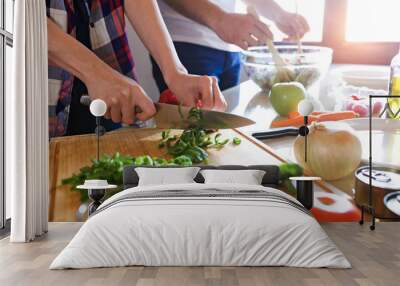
x=306, y=66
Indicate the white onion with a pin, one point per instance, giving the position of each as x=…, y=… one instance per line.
x=333, y=151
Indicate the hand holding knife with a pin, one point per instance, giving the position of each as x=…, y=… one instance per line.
x=165, y=97
x=173, y=116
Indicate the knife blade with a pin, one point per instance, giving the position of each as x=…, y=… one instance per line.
x=176, y=117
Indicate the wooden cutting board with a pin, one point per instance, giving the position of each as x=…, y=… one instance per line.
x=69, y=154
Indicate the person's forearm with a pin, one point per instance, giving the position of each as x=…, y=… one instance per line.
x=207, y=13
x=149, y=25
x=66, y=52
x=202, y=11
x=266, y=8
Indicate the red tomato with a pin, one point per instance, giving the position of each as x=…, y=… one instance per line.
x=377, y=107
x=332, y=207
x=349, y=105
x=361, y=109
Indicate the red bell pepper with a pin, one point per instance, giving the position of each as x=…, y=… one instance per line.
x=168, y=97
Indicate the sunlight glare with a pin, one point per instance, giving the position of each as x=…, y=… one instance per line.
x=373, y=21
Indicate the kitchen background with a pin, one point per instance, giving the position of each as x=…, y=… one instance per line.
x=313, y=10
x=344, y=25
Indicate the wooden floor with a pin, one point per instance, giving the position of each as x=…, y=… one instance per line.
x=375, y=257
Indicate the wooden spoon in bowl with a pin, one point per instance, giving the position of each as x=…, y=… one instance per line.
x=283, y=73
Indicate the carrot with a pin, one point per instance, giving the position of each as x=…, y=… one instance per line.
x=335, y=116
x=318, y=112
x=293, y=114
x=298, y=121
x=315, y=116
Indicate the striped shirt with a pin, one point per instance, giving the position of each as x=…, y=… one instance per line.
x=108, y=41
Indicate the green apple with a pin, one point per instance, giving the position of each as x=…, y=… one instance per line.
x=285, y=96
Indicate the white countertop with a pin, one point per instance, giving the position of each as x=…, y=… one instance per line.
x=247, y=99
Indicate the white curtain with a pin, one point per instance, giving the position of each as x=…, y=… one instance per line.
x=27, y=124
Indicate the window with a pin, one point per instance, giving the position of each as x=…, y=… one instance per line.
x=313, y=10
x=6, y=43
x=359, y=31
x=362, y=31
x=369, y=22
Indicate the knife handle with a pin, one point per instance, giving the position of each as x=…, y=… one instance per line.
x=85, y=100
x=276, y=133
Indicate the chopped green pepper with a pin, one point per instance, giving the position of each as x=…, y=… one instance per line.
x=236, y=141
x=288, y=170
x=144, y=161
x=193, y=141
x=182, y=160
x=160, y=162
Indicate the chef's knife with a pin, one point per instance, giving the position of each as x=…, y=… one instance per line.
x=176, y=117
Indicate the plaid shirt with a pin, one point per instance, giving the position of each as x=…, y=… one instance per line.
x=108, y=41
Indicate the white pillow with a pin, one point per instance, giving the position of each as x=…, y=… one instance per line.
x=247, y=177
x=166, y=176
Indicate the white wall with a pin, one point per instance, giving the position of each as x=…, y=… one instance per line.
x=143, y=65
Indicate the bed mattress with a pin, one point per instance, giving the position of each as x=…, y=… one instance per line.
x=201, y=225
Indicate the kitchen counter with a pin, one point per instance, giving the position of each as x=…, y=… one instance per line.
x=249, y=100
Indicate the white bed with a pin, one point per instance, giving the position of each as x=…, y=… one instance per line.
x=185, y=230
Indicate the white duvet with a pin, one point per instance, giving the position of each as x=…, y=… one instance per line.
x=200, y=231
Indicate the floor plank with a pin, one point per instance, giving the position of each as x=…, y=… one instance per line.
x=375, y=257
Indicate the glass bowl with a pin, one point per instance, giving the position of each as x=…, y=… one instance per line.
x=306, y=67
